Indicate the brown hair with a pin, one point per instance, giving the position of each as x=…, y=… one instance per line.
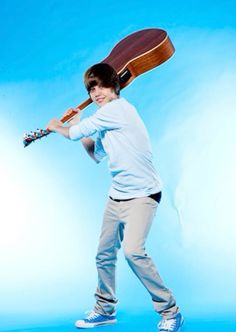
x=104, y=75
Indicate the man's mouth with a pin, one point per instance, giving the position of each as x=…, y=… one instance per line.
x=100, y=100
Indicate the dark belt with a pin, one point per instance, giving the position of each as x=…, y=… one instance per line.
x=156, y=197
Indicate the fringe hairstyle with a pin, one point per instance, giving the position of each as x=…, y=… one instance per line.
x=104, y=75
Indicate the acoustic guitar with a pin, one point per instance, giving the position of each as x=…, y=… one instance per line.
x=134, y=55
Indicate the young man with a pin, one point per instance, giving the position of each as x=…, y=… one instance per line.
x=133, y=197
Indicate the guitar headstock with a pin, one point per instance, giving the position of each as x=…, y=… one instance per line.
x=33, y=136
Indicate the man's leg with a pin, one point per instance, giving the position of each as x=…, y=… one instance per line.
x=137, y=216
x=110, y=241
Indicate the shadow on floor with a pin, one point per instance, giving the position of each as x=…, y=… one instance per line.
x=141, y=323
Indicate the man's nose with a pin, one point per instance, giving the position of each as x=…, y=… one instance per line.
x=97, y=91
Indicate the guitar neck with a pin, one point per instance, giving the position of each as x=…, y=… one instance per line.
x=73, y=113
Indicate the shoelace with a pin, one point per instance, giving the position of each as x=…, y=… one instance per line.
x=92, y=315
x=167, y=324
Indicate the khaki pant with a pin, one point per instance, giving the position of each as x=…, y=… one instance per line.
x=129, y=222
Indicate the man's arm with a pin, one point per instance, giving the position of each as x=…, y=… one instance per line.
x=57, y=126
x=89, y=146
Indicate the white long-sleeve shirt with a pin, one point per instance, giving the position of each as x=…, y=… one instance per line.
x=123, y=138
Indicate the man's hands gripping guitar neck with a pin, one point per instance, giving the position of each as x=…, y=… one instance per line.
x=57, y=126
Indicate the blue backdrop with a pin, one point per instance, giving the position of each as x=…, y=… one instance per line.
x=53, y=195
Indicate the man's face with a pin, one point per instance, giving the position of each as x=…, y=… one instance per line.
x=101, y=96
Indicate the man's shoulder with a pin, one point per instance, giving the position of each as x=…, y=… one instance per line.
x=122, y=103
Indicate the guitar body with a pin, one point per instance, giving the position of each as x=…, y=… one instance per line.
x=139, y=53
x=132, y=56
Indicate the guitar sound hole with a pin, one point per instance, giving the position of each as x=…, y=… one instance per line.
x=125, y=76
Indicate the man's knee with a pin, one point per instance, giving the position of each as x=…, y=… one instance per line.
x=105, y=257
x=132, y=254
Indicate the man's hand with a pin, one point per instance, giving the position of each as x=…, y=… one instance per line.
x=76, y=118
x=54, y=124
x=57, y=126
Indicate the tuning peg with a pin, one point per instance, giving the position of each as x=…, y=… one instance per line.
x=38, y=133
x=44, y=131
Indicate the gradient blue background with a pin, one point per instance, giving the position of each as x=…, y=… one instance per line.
x=53, y=195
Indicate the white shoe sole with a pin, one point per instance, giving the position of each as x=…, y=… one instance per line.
x=82, y=325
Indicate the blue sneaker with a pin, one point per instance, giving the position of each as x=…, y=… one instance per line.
x=94, y=319
x=171, y=324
